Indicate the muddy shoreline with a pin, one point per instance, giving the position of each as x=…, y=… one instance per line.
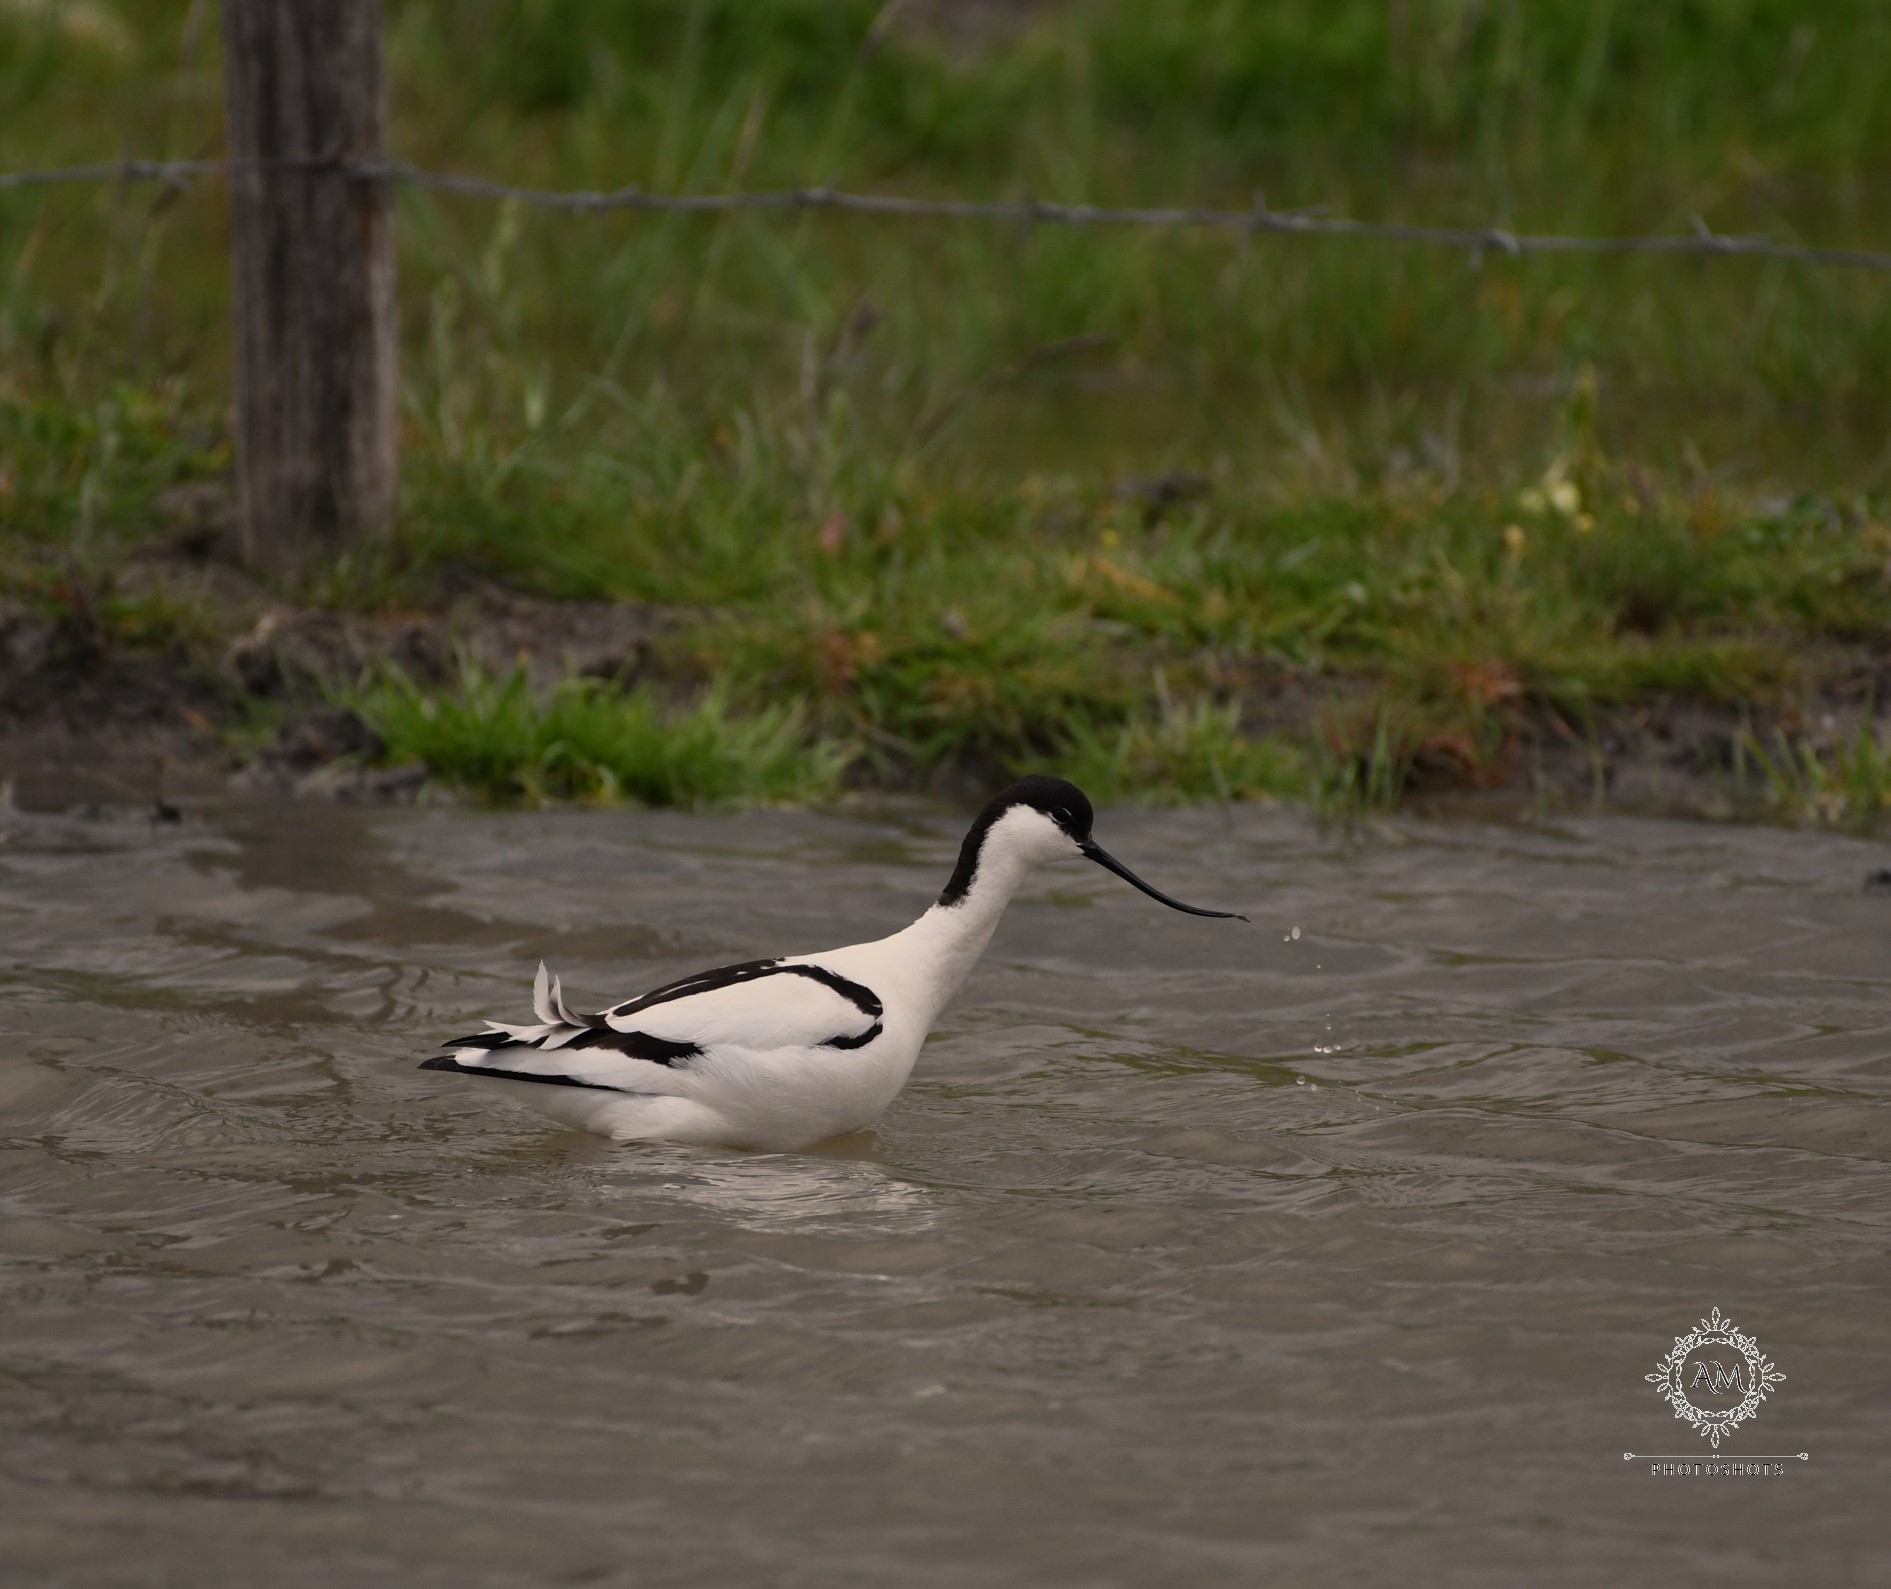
x=88, y=719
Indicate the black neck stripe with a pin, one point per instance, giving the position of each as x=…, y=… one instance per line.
x=959, y=884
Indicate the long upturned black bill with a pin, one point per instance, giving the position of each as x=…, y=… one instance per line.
x=1095, y=851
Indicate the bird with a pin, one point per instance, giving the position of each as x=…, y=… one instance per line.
x=776, y=1055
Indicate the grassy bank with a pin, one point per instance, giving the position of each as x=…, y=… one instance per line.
x=979, y=498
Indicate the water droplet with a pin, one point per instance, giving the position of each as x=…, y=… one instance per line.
x=1296, y=932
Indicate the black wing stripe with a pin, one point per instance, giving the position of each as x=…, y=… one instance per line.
x=639, y=1045
x=863, y=998
x=447, y=1062
x=701, y=982
x=859, y=1040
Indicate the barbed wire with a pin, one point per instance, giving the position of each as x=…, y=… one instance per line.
x=1258, y=219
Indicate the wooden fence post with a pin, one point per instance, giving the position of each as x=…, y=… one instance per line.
x=312, y=249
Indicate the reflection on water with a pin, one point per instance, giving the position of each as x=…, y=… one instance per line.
x=840, y=1186
x=1192, y=1255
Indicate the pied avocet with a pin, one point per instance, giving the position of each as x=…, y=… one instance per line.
x=782, y=1053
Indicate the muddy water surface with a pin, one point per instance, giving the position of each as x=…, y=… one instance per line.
x=1195, y=1254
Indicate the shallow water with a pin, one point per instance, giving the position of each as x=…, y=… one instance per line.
x=1195, y=1254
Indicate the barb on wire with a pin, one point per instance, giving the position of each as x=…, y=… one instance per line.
x=169, y=171
x=1257, y=218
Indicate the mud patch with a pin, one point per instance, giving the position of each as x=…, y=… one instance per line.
x=87, y=717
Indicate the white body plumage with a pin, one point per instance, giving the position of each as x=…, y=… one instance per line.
x=778, y=1054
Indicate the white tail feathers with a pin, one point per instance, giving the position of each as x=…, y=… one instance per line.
x=548, y=1004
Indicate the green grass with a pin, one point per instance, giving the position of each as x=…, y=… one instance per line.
x=893, y=466
x=1847, y=784
x=585, y=741
x=1182, y=754
x=1360, y=769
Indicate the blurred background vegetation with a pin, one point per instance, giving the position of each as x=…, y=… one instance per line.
x=987, y=496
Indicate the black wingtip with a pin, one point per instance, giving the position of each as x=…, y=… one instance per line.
x=440, y=1062
x=481, y=1040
